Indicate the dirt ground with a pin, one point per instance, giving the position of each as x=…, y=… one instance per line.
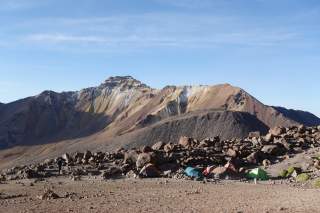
x=155, y=195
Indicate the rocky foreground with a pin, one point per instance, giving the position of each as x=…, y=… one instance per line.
x=161, y=178
x=210, y=160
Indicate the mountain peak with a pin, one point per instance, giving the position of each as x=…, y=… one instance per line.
x=123, y=81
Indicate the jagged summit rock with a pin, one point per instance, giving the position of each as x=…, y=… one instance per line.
x=127, y=82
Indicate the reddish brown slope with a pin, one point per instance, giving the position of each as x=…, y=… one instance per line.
x=123, y=106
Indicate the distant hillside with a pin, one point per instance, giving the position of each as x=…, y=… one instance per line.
x=299, y=116
x=201, y=125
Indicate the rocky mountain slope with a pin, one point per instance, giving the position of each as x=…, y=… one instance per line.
x=207, y=124
x=304, y=117
x=122, y=110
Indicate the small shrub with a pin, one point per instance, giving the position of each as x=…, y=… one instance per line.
x=283, y=173
x=290, y=171
x=302, y=177
x=317, y=183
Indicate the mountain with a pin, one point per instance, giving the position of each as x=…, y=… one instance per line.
x=54, y=116
x=122, y=111
x=299, y=116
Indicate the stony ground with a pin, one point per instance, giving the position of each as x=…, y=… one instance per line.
x=155, y=195
x=111, y=182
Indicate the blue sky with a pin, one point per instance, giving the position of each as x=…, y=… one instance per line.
x=270, y=48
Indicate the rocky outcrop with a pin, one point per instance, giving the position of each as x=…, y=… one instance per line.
x=215, y=157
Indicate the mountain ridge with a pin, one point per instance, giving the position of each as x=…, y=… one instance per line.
x=122, y=106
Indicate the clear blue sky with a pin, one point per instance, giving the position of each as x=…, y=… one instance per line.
x=270, y=48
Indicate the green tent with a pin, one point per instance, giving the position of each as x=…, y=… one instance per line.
x=258, y=174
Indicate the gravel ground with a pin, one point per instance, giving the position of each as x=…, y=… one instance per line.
x=156, y=195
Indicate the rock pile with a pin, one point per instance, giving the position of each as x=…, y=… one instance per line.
x=221, y=158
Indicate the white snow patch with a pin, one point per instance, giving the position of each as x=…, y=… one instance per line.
x=189, y=91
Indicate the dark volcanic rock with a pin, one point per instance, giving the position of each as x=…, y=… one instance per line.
x=150, y=171
x=255, y=157
x=112, y=172
x=276, y=150
x=222, y=158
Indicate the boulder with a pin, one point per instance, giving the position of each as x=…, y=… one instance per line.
x=158, y=146
x=131, y=174
x=269, y=137
x=254, y=134
x=301, y=129
x=130, y=157
x=78, y=155
x=67, y=158
x=285, y=144
x=3, y=177
x=266, y=163
x=317, y=136
x=185, y=142
x=231, y=153
x=144, y=159
x=149, y=171
x=275, y=150
x=170, y=147
x=146, y=149
x=317, y=164
x=92, y=160
x=121, y=150
x=40, y=168
x=297, y=150
x=112, y=172
x=48, y=162
x=203, y=144
x=87, y=155
x=255, y=157
x=277, y=131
